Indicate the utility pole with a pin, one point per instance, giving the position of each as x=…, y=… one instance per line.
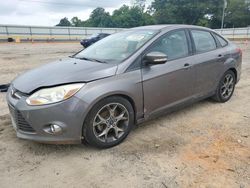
x=223, y=14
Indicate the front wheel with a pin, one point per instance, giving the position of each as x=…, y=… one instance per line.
x=109, y=122
x=226, y=87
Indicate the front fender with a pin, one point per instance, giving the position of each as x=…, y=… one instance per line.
x=127, y=84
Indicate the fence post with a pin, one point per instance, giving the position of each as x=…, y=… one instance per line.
x=69, y=33
x=7, y=31
x=50, y=33
x=31, y=34
x=233, y=33
x=248, y=32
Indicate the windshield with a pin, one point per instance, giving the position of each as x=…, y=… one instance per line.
x=93, y=36
x=117, y=47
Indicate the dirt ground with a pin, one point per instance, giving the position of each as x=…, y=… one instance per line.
x=205, y=145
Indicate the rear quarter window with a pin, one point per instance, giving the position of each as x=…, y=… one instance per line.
x=221, y=40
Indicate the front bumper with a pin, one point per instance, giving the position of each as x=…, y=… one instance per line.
x=31, y=121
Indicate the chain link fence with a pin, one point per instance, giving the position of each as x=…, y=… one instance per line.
x=40, y=33
x=235, y=33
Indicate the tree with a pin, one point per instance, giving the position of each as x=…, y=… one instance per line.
x=99, y=18
x=123, y=17
x=76, y=22
x=148, y=18
x=131, y=17
x=64, y=22
x=237, y=14
x=201, y=12
x=139, y=3
x=196, y=12
x=182, y=11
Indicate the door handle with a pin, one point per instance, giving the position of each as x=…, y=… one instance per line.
x=220, y=56
x=187, y=66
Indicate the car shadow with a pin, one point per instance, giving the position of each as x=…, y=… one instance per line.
x=138, y=132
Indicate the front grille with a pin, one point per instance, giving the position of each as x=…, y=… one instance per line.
x=21, y=123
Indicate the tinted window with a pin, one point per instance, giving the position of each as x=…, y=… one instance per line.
x=222, y=41
x=103, y=35
x=203, y=41
x=174, y=45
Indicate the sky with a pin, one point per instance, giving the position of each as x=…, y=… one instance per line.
x=49, y=12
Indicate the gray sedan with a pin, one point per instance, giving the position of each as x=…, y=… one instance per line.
x=100, y=93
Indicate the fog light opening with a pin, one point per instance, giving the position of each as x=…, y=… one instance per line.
x=55, y=129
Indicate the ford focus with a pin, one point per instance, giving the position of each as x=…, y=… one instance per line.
x=98, y=94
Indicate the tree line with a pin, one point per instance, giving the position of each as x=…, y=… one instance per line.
x=206, y=13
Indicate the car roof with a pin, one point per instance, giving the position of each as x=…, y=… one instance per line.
x=168, y=26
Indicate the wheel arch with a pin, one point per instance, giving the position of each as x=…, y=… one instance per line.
x=234, y=71
x=127, y=97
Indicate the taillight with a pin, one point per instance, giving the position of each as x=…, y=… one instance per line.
x=239, y=51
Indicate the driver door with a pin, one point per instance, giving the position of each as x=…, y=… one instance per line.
x=169, y=84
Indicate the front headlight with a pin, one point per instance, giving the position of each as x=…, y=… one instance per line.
x=54, y=94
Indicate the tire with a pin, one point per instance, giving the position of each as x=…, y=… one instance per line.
x=220, y=96
x=109, y=122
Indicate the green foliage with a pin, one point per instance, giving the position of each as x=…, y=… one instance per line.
x=76, y=22
x=183, y=11
x=64, y=22
x=139, y=3
x=237, y=14
x=130, y=17
x=99, y=18
x=206, y=13
x=201, y=12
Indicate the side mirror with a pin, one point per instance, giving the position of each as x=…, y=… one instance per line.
x=155, y=58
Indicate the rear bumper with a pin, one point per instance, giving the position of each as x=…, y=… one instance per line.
x=238, y=69
x=84, y=43
x=31, y=122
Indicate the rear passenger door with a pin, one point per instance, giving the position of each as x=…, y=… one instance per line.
x=208, y=61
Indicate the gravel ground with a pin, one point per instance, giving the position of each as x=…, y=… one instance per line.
x=204, y=145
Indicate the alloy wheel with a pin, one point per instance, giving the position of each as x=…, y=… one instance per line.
x=111, y=122
x=227, y=86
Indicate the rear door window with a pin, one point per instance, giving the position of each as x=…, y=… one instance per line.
x=203, y=41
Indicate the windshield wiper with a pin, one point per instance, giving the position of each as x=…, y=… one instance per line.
x=92, y=59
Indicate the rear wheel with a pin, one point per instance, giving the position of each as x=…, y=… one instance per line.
x=226, y=87
x=109, y=122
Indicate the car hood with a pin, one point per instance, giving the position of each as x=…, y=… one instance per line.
x=64, y=71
